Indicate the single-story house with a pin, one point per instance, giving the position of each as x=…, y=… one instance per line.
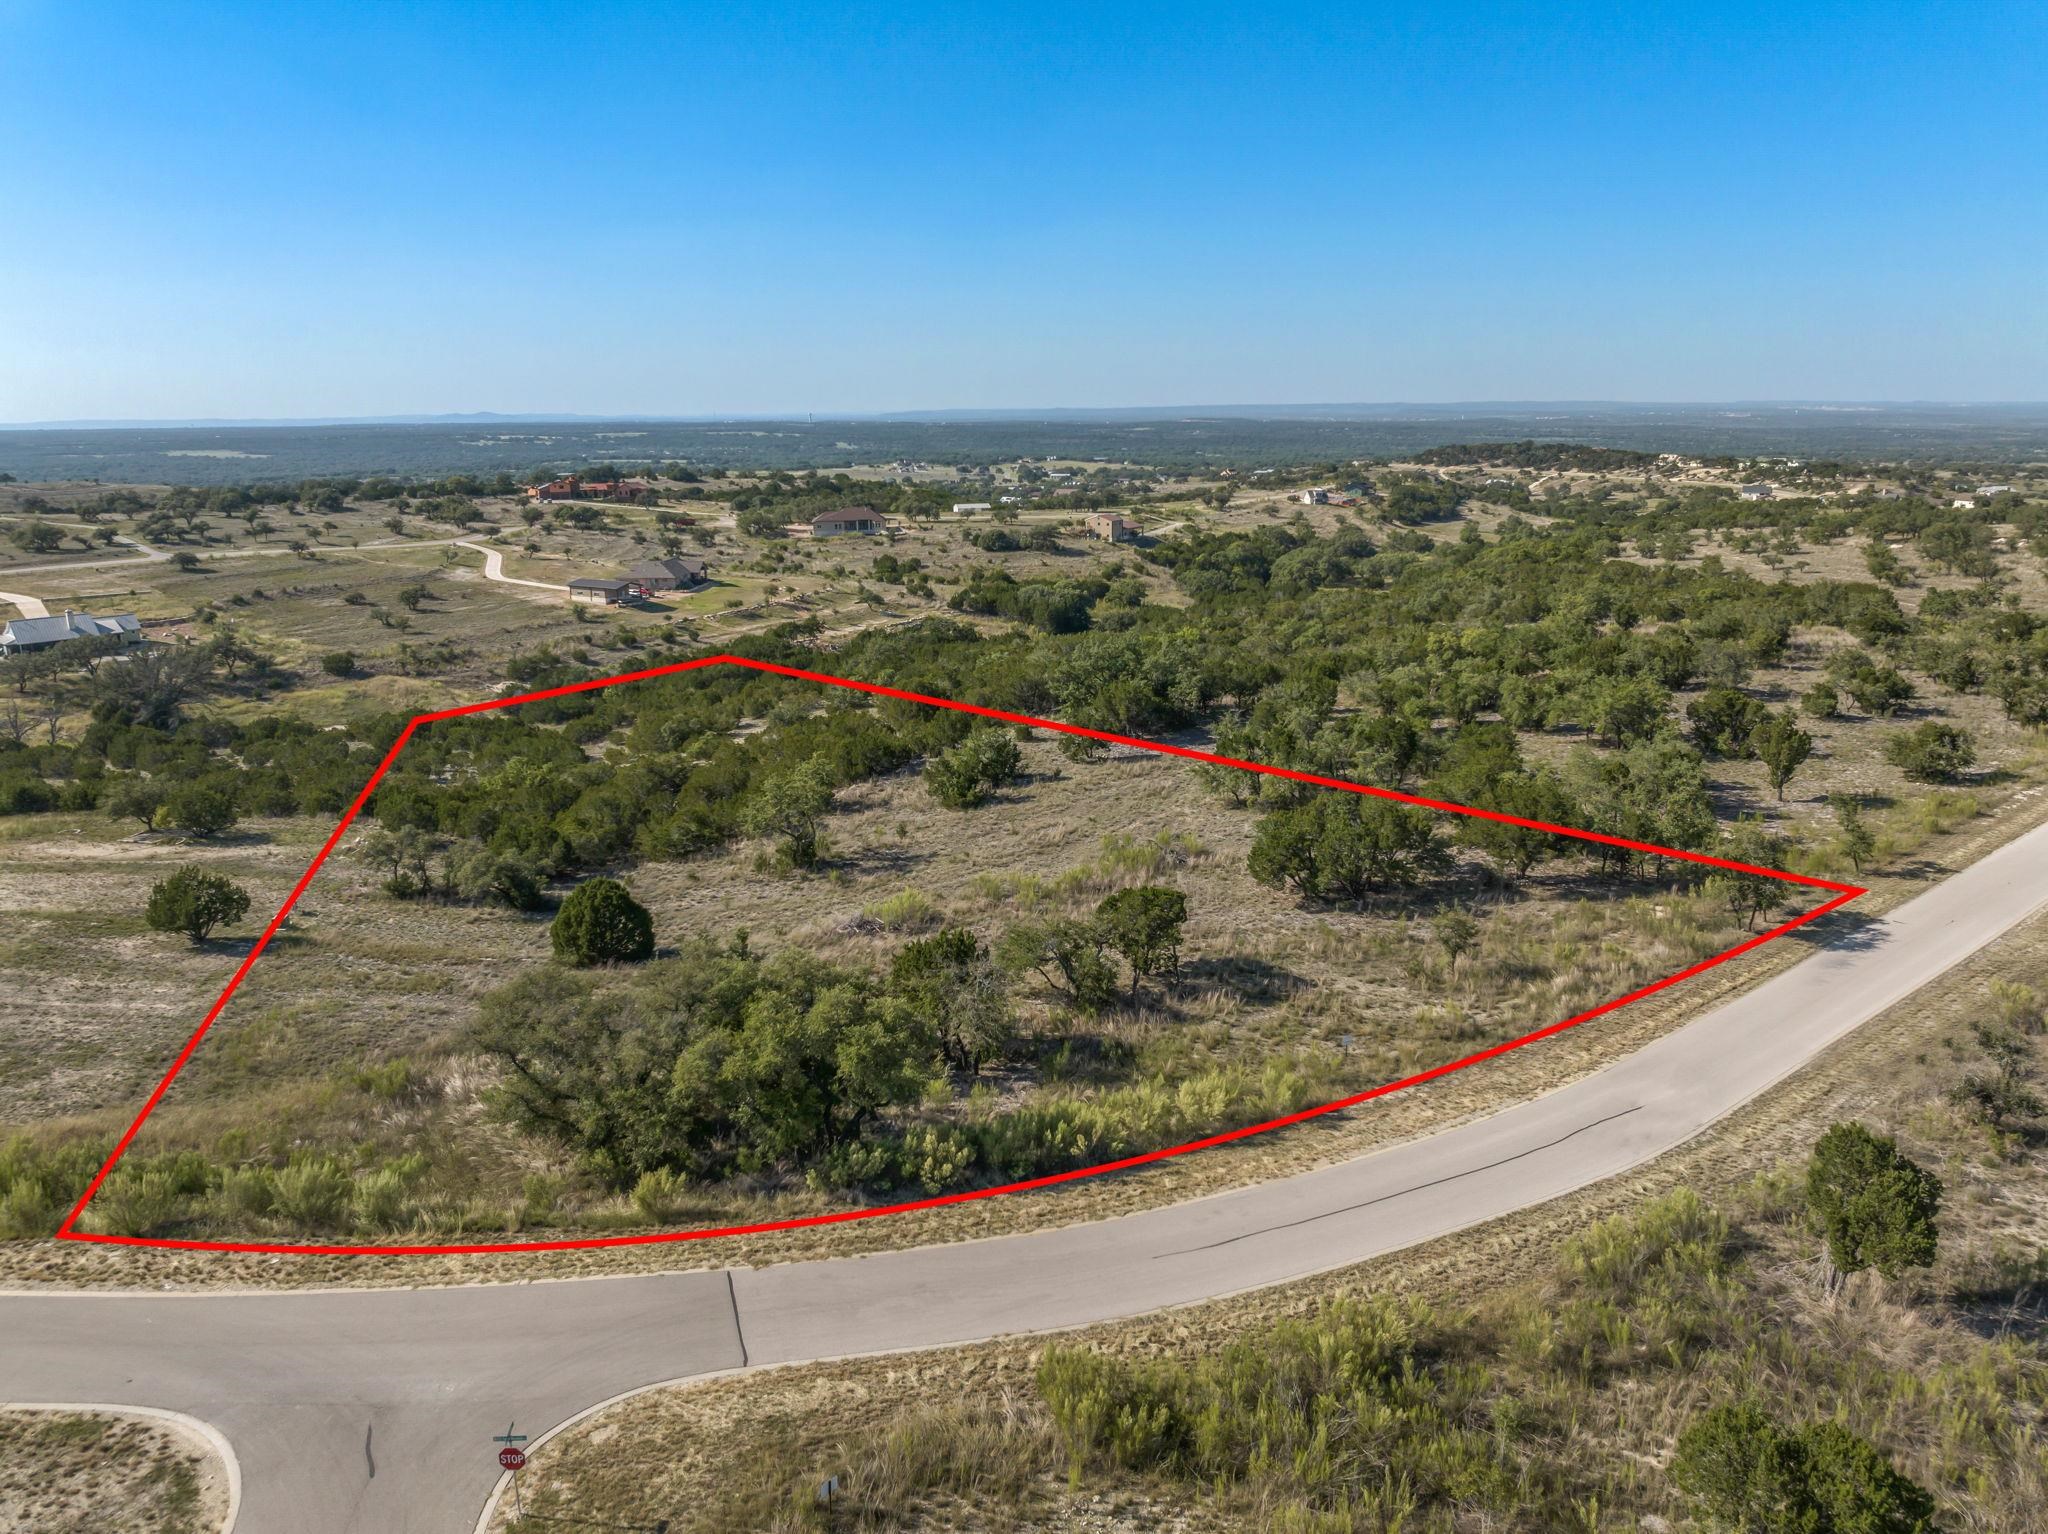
x=1315, y=497
x=848, y=519
x=601, y=591
x=1756, y=492
x=1993, y=489
x=1964, y=503
x=684, y=573
x=1113, y=526
x=969, y=508
x=41, y=633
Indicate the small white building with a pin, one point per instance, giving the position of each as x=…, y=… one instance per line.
x=1315, y=497
x=1964, y=503
x=970, y=508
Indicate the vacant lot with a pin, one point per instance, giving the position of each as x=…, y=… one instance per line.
x=348, y=1032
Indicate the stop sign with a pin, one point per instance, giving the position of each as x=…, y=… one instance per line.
x=512, y=1459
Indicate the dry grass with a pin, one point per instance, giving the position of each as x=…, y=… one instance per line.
x=92, y=1473
x=436, y=983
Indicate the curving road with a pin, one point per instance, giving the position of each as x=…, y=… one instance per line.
x=494, y=568
x=373, y=1410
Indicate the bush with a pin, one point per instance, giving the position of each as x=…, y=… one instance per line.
x=206, y=807
x=967, y=774
x=601, y=923
x=1875, y=1206
x=1931, y=752
x=23, y=793
x=195, y=902
x=1745, y=1472
x=1344, y=846
x=312, y=1194
x=905, y=911
x=658, y=1195
x=338, y=663
x=1821, y=701
x=1724, y=720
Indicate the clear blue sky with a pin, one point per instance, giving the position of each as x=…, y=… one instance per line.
x=289, y=209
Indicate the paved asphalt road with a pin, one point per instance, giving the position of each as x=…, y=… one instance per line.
x=373, y=1410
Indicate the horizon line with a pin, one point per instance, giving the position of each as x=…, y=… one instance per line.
x=947, y=414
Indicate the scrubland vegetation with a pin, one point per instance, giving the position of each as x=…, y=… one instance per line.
x=1572, y=659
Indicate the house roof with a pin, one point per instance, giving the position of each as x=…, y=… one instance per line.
x=847, y=513
x=597, y=583
x=685, y=569
x=67, y=626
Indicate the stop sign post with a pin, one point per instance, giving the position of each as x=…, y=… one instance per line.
x=513, y=1458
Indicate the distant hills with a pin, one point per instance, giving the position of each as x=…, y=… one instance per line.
x=1188, y=438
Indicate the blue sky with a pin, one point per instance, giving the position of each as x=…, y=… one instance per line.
x=313, y=209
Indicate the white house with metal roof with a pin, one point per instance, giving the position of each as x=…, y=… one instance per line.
x=41, y=633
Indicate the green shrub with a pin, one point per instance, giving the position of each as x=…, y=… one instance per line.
x=246, y=1192
x=1745, y=1472
x=1873, y=1203
x=23, y=793
x=140, y=1203
x=658, y=1195
x=1931, y=752
x=967, y=774
x=194, y=902
x=600, y=923
x=312, y=1194
x=904, y=911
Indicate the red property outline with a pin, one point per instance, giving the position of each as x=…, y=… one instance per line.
x=68, y=1231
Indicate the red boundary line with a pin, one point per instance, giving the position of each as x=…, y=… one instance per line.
x=68, y=1231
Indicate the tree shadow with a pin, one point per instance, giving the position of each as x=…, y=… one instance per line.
x=1253, y=978
x=2007, y=1304
x=879, y=860
x=1844, y=931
